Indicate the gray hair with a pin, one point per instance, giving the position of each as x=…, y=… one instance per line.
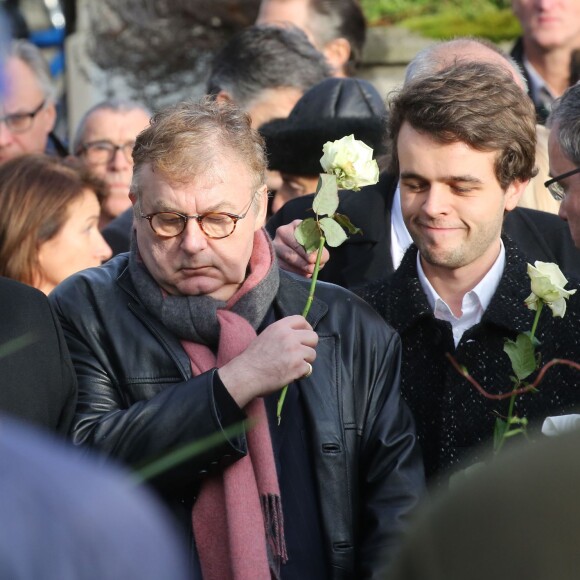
x=115, y=105
x=564, y=121
x=265, y=57
x=31, y=56
x=436, y=57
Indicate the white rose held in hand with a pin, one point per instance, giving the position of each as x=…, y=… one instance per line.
x=351, y=161
x=548, y=286
x=347, y=164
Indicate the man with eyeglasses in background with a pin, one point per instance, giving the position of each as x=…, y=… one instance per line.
x=104, y=140
x=564, y=153
x=194, y=332
x=27, y=108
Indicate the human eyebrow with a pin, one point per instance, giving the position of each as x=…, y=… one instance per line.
x=411, y=175
x=463, y=179
x=220, y=207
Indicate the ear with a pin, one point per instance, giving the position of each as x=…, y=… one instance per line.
x=262, y=208
x=223, y=97
x=337, y=53
x=514, y=193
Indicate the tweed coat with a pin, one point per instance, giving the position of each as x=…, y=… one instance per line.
x=452, y=417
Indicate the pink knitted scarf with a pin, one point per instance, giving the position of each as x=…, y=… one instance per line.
x=237, y=517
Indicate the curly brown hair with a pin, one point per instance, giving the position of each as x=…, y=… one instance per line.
x=475, y=103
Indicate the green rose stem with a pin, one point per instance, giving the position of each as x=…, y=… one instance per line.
x=510, y=417
x=305, y=312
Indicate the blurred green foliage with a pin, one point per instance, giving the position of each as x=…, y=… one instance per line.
x=492, y=19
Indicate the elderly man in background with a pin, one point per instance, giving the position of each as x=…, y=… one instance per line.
x=564, y=151
x=551, y=33
x=193, y=334
x=335, y=27
x=104, y=140
x=28, y=112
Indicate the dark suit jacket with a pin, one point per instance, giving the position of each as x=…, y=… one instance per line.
x=37, y=380
x=118, y=233
x=452, y=418
x=367, y=257
x=517, y=53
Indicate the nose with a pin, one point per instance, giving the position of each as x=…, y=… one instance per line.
x=544, y=5
x=436, y=201
x=102, y=250
x=119, y=161
x=192, y=239
x=563, y=210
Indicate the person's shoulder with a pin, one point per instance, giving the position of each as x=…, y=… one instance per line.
x=343, y=306
x=13, y=291
x=117, y=233
x=98, y=283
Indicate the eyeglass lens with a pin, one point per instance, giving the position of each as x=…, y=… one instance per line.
x=214, y=225
x=100, y=152
x=21, y=122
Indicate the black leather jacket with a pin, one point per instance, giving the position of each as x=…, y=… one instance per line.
x=138, y=399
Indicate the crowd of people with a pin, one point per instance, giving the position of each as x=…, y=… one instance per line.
x=152, y=288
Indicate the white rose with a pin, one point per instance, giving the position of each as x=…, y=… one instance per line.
x=548, y=286
x=351, y=161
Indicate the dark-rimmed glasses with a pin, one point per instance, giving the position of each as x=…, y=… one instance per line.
x=215, y=225
x=554, y=187
x=104, y=151
x=21, y=122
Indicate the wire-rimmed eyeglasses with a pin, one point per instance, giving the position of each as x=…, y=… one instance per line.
x=104, y=151
x=214, y=225
x=558, y=192
x=21, y=122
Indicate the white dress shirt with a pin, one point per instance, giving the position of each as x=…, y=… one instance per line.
x=474, y=302
x=400, y=237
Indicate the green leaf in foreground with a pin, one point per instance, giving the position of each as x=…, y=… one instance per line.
x=18, y=343
x=344, y=221
x=307, y=234
x=522, y=355
x=333, y=233
x=181, y=454
x=326, y=199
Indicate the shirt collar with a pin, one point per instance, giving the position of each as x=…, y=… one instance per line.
x=482, y=292
x=400, y=237
x=539, y=90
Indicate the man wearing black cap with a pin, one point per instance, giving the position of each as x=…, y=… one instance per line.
x=330, y=110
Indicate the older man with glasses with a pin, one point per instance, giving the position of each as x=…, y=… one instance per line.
x=104, y=140
x=27, y=109
x=194, y=332
x=564, y=152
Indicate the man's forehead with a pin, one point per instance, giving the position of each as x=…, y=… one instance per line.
x=216, y=183
x=108, y=123
x=22, y=88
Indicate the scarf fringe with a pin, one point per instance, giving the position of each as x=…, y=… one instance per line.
x=274, y=525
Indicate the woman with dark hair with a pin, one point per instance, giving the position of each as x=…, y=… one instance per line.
x=49, y=220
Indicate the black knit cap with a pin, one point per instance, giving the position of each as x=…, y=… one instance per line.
x=328, y=111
